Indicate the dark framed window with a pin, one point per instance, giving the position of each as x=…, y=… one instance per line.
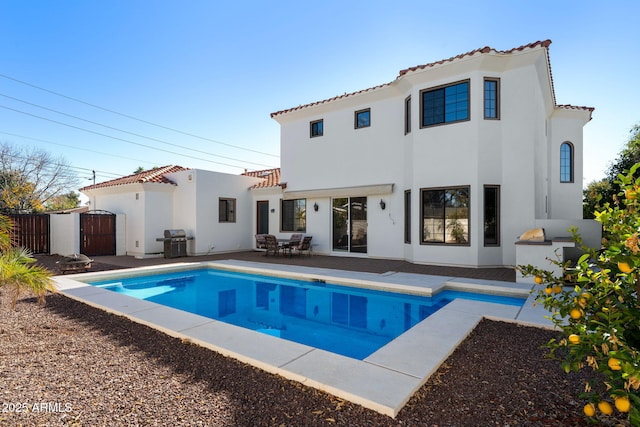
x=446, y=104
x=316, y=128
x=407, y=216
x=566, y=162
x=491, y=215
x=294, y=215
x=226, y=210
x=407, y=115
x=445, y=216
x=492, y=98
x=362, y=118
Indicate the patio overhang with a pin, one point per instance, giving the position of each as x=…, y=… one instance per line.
x=359, y=191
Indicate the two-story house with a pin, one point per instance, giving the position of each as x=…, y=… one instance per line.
x=447, y=164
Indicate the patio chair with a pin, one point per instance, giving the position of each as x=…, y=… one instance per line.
x=271, y=244
x=304, y=246
x=261, y=243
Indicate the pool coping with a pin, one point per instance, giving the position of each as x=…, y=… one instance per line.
x=383, y=382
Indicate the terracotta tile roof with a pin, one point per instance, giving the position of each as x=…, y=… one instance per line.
x=575, y=107
x=346, y=95
x=271, y=177
x=545, y=44
x=152, y=175
x=485, y=49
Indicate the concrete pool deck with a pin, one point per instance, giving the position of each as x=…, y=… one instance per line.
x=383, y=382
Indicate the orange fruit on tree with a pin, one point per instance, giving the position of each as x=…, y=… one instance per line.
x=557, y=289
x=630, y=194
x=605, y=407
x=622, y=403
x=624, y=267
x=574, y=339
x=589, y=409
x=614, y=364
x=538, y=279
x=575, y=313
x=548, y=290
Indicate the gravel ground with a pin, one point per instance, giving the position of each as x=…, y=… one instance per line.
x=72, y=364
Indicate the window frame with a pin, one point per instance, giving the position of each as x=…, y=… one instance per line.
x=444, y=103
x=570, y=164
x=229, y=213
x=283, y=210
x=497, y=214
x=444, y=242
x=496, y=107
x=356, y=115
x=407, y=115
x=407, y=216
x=319, y=130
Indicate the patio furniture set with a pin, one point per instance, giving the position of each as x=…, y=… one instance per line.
x=297, y=244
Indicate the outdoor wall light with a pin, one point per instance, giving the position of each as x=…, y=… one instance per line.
x=315, y=207
x=273, y=211
x=383, y=205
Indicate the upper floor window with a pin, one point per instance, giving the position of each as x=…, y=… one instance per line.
x=491, y=98
x=315, y=128
x=447, y=104
x=566, y=162
x=363, y=118
x=226, y=210
x=407, y=115
x=294, y=215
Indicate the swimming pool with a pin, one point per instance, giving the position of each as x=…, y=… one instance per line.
x=383, y=381
x=350, y=321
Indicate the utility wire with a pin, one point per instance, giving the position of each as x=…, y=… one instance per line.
x=116, y=138
x=130, y=133
x=135, y=118
x=78, y=148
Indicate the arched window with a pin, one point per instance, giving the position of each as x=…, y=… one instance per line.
x=566, y=162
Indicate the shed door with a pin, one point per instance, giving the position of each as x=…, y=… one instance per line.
x=98, y=233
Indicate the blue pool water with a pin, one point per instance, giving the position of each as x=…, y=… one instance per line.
x=354, y=322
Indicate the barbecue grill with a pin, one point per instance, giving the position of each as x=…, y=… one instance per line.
x=175, y=243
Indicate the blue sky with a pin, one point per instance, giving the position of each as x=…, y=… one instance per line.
x=194, y=82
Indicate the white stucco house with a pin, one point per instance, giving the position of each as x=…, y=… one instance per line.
x=447, y=164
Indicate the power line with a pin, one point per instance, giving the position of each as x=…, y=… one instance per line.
x=77, y=148
x=135, y=118
x=131, y=133
x=116, y=138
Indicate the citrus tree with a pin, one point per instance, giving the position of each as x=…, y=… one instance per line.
x=17, y=272
x=596, y=306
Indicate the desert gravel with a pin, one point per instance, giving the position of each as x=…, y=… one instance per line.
x=69, y=364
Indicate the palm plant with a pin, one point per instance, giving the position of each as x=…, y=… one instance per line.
x=17, y=271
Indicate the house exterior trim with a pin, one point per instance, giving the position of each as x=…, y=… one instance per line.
x=364, y=190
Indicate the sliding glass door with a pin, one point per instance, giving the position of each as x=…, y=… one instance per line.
x=349, y=224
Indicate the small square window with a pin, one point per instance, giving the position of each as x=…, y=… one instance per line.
x=226, y=210
x=363, y=118
x=316, y=128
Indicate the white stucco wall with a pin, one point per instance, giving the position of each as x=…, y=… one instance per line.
x=146, y=211
x=64, y=233
x=519, y=153
x=195, y=208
